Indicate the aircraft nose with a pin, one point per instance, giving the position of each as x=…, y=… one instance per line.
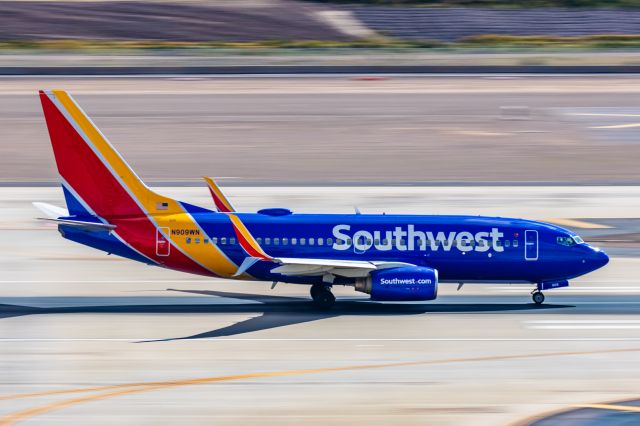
x=598, y=258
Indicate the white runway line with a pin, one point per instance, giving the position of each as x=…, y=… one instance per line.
x=559, y=291
x=597, y=324
x=328, y=339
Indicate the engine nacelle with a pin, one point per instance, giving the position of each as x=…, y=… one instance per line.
x=407, y=283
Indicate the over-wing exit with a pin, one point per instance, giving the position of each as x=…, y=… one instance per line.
x=389, y=257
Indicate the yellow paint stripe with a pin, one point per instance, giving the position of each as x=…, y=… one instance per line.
x=247, y=235
x=171, y=216
x=617, y=126
x=629, y=408
x=12, y=418
x=573, y=223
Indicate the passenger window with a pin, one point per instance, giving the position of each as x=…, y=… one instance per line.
x=294, y=241
x=206, y=241
x=215, y=240
x=259, y=240
x=376, y=241
x=267, y=240
x=285, y=241
x=188, y=240
x=276, y=241
x=303, y=241
x=507, y=243
x=329, y=241
x=311, y=241
x=515, y=243
x=320, y=242
x=197, y=241
x=385, y=242
x=232, y=241
x=223, y=241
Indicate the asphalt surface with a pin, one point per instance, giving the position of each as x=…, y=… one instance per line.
x=414, y=130
x=90, y=338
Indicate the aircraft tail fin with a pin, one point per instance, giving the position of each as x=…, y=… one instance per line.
x=96, y=179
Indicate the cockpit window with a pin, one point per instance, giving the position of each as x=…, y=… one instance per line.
x=566, y=241
x=578, y=240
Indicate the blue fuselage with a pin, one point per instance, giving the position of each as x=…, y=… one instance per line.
x=461, y=248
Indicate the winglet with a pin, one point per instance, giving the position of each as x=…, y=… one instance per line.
x=222, y=204
x=248, y=243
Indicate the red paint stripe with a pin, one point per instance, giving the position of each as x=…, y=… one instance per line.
x=85, y=172
x=246, y=245
x=218, y=202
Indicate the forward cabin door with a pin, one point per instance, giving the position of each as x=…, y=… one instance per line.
x=162, y=244
x=530, y=245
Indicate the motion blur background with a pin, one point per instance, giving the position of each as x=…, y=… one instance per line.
x=512, y=108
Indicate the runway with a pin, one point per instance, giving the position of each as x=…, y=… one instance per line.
x=86, y=337
x=343, y=129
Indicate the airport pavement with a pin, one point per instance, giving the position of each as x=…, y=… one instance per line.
x=359, y=129
x=90, y=338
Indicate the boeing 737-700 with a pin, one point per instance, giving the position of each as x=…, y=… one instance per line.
x=389, y=257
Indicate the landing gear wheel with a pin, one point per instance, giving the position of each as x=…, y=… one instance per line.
x=322, y=297
x=538, y=297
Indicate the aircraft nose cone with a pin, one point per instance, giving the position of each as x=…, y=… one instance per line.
x=599, y=258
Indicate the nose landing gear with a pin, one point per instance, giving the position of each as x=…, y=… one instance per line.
x=538, y=297
x=322, y=296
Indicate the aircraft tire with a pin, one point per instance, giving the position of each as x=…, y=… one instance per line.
x=322, y=297
x=538, y=298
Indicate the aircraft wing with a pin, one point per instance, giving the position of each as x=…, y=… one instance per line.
x=303, y=266
x=343, y=268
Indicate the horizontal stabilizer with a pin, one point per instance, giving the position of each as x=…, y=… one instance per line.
x=51, y=211
x=89, y=226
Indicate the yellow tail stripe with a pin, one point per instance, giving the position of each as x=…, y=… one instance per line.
x=170, y=216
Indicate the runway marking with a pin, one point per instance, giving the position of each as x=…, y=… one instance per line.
x=601, y=114
x=617, y=126
x=630, y=408
x=584, y=324
x=522, y=288
x=132, y=388
x=573, y=223
x=335, y=339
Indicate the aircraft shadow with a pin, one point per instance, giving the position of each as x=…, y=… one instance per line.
x=274, y=311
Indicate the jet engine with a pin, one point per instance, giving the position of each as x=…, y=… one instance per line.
x=407, y=283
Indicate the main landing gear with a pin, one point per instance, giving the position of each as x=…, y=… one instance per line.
x=538, y=297
x=322, y=296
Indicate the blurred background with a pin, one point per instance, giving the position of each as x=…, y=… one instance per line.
x=493, y=107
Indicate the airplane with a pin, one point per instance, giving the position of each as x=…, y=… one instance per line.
x=389, y=257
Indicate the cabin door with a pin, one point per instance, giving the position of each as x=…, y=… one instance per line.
x=163, y=247
x=530, y=245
